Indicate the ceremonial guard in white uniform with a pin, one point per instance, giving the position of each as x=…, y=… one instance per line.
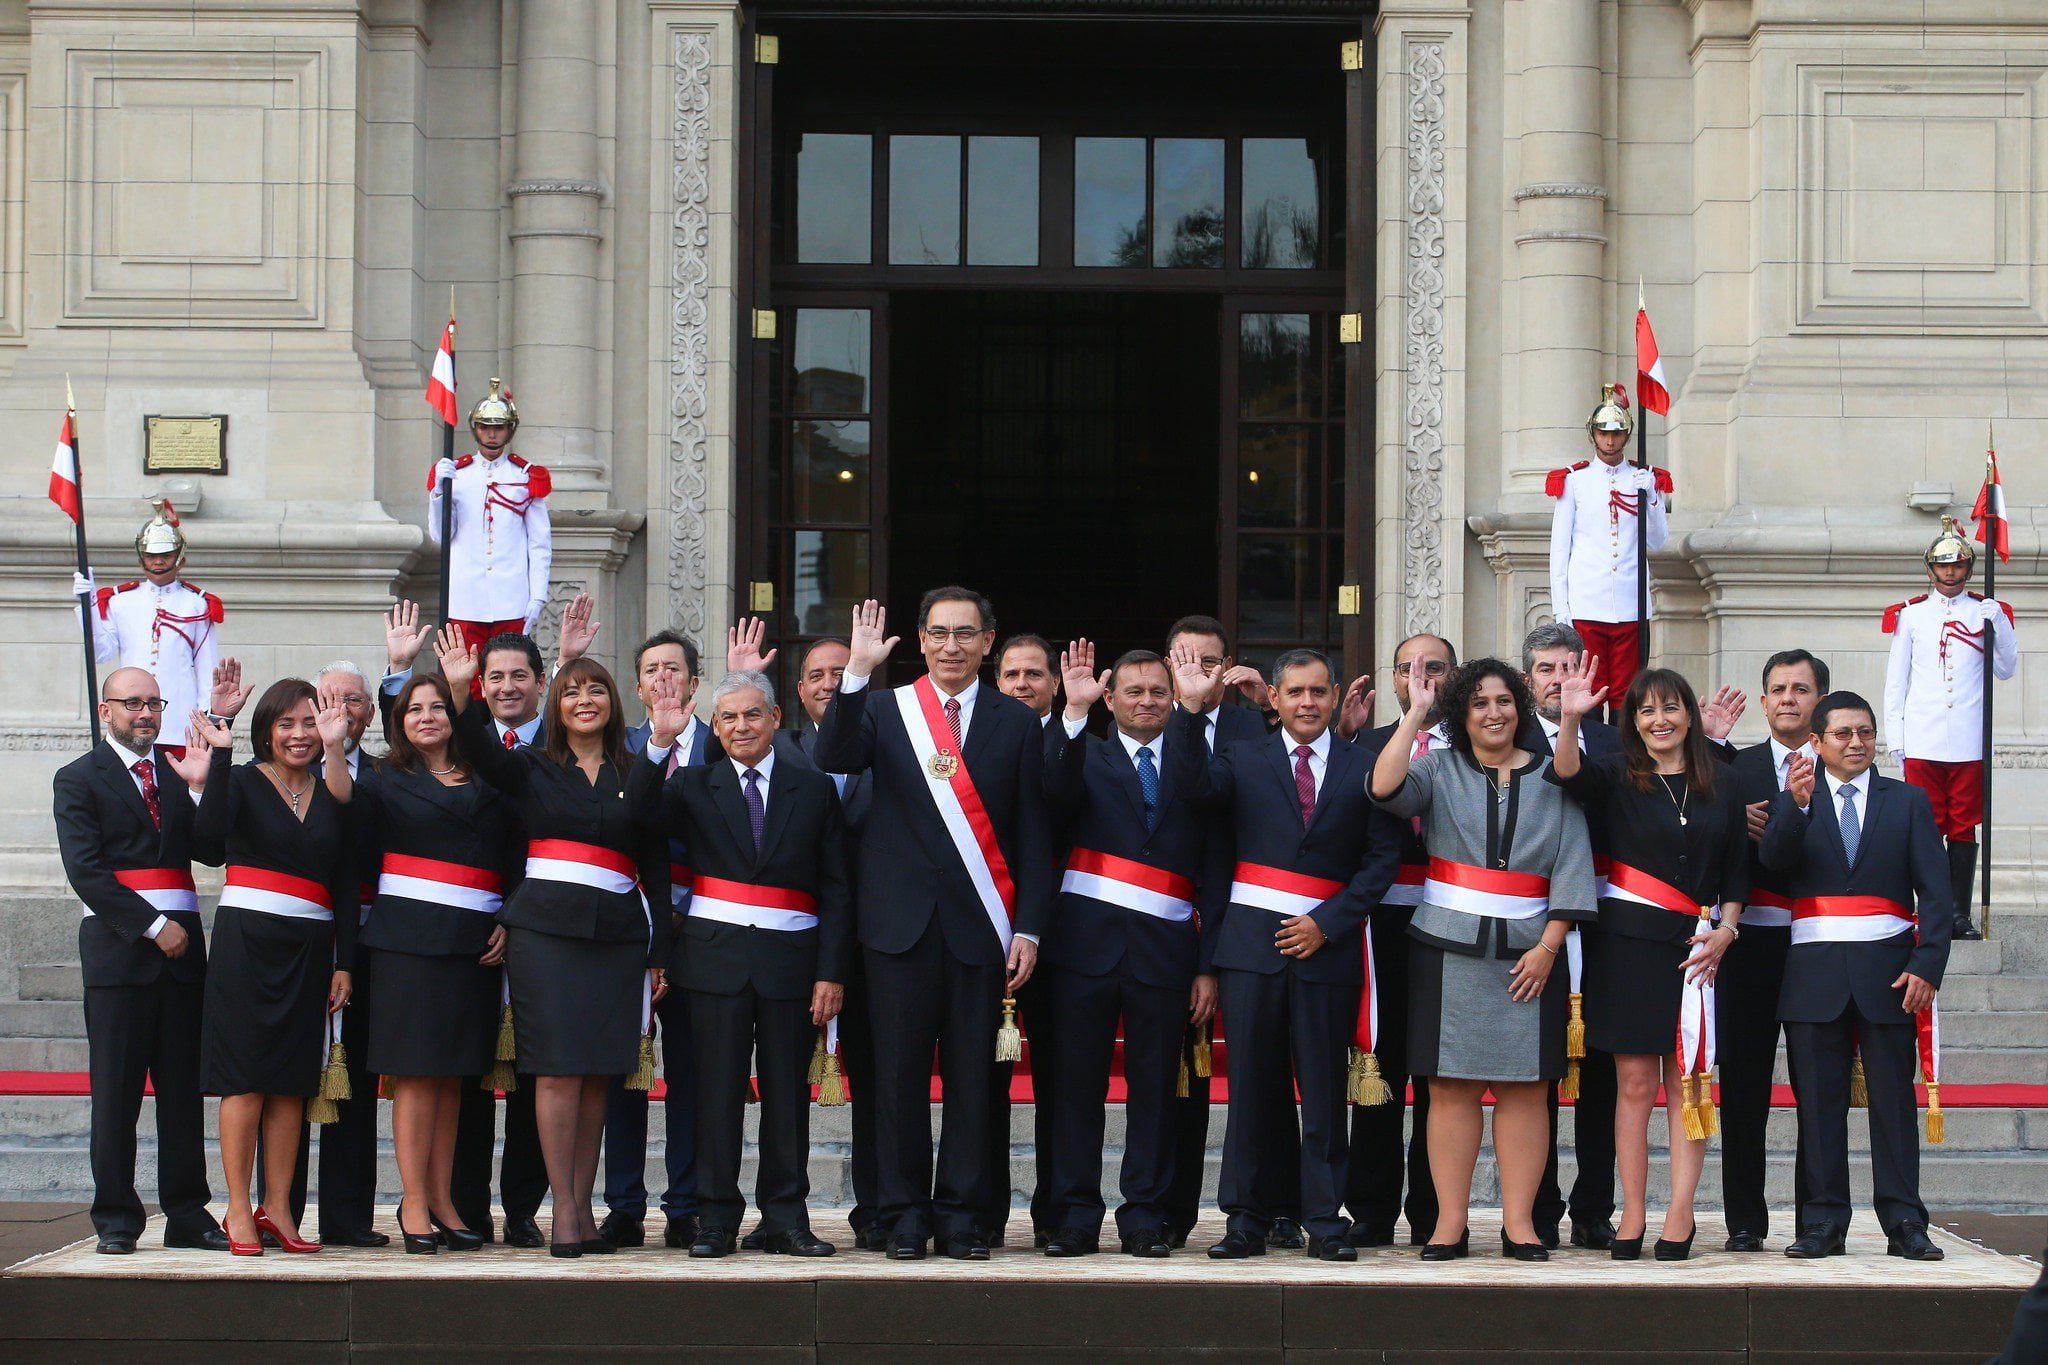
x=1593, y=540
x=159, y=622
x=501, y=545
x=1934, y=698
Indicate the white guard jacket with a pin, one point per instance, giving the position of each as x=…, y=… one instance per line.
x=1934, y=682
x=1593, y=537
x=170, y=632
x=504, y=544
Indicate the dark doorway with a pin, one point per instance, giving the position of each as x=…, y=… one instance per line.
x=1057, y=452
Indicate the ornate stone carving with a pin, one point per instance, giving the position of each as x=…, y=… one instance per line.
x=689, y=348
x=45, y=739
x=547, y=631
x=591, y=188
x=1422, y=558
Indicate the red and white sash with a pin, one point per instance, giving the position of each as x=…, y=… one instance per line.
x=592, y=865
x=1492, y=892
x=1848, y=919
x=1132, y=885
x=1407, y=887
x=1696, y=1050
x=1767, y=908
x=275, y=893
x=439, y=883
x=167, y=889
x=1632, y=884
x=759, y=907
x=966, y=819
x=680, y=879
x=1278, y=890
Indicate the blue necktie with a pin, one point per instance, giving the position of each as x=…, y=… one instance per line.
x=1148, y=784
x=1852, y=826
x=757, y=809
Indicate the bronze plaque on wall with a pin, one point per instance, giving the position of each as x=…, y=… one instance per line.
x=185, y=445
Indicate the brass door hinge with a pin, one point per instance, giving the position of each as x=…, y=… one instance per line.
x=764, y=324
x=1351, y=328
x=1352, y=56
x=760, y=597
x=767, y=49
x=1348, y=599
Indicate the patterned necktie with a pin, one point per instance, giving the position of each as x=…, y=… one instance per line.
x=511, y=739
x=757, y=809
x=146, y=771
x=953, y=719
x=1304, y=784
x=1852, y=826
x=1148, y=786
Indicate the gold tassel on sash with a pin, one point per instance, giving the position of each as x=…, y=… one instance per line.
x=501, y=1076
x=320, y=1109
x=1568, y=1088
x=1367, y=1086
x=815, y=1075
x=334, y=1079
x=1205, y=1057
x=1180, y=1087
x=1009, y=1042
x=1689, y=1110
x=507, y=1049
x=1710, y=1118
x=643, y=1073
x=1575, y=1029
x=831, y=1082
x=1937, y=1127
x=1859, y=1085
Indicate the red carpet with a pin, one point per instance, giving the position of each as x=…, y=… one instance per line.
x=1952, y=1096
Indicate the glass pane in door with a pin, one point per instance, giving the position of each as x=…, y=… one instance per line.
x=833, y=369
x=1187, y=202
x=1109, y=201
x=1277, y=373
x=834, y=185
x=1002, y=201
x=829, y=576
x=924, y=200
x=1282, y=222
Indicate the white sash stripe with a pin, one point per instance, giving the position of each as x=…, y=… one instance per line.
x=439, y=893
x=1402, y=893
x=581, y=874
x=752, y=916
x=273, y=903
x=924, y=745
x=1128, y=896
x=1766, y=916
x=1272, y=898
x=1848, y=928
x=164, y=902
x=1490, y=904
x=1618, y=893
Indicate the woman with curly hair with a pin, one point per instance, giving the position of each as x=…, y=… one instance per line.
x=1510, y=868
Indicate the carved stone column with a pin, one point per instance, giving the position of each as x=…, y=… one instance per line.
x=556, y=191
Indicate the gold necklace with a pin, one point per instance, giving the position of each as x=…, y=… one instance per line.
x=1678, y=801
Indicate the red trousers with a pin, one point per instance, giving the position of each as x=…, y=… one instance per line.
x=476, y=634
x=1956, y=791
x=1614, y=644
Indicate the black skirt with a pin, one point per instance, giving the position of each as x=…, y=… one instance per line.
x=264, y=1027
x=578, y=1004
x=1632, y=989
x=430, y=1015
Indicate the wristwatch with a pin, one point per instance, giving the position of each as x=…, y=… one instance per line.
x=227, y=722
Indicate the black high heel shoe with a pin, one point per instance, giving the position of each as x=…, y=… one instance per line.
x=565, y=1250
x=1449, y=1251
x=1626, y=1248
x=1522, y=1251
x=416, y=1243
x=1677, y=1251
x=456, y=1239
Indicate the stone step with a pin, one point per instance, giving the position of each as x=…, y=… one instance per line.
x=56, y=981
x=42, y=1019
x=42, y=1054
x=1969, y=1030
x=1963, y=993
x=1977, y=957
x=1995, y=1066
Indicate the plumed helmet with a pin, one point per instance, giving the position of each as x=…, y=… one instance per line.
x=496, y=408
x=1951, y=546
x=1611, y=413
x=160, y=534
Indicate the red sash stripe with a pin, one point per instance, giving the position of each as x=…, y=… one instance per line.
x=594, y=855
x=278, y=883
x=434, y=870
x=1492, y=880
x=970, y=799
x=1623, y=877
x=752, y=893
x=1280, y=879
x=1829, y=907
x=155, y=878
x=1156, y=879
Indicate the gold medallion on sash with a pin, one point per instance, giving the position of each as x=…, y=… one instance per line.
x=943, y=765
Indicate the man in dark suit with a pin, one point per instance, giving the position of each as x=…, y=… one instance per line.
x=954, y=890
x=1124, y=947
x=1860, y=851
x=1314, y=855
x=1372, y=1192
x=761, y=960
x=1545, y=652
x=1752, y=972
x=124, y=829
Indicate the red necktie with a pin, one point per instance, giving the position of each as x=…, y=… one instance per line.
x=511, y=739
x=1304, y=784
x=146, y=771
x=953, y=718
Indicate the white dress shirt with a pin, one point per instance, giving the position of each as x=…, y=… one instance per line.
x=1318, y=759
x=966, y=697
x=765, y=767
x=129, y=758
x=1551, y=727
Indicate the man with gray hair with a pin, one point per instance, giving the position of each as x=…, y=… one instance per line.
x=762, y=956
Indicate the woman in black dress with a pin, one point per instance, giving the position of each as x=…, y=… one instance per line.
x=580, y=942
x=280, y=958
x=1678, y=841
x=448, y=847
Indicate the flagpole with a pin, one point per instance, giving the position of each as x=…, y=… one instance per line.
x=1642, y=517
x=92, y=681
x=447, y=492
x=1990, y=655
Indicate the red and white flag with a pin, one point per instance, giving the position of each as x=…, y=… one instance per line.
x=64, y=470
x=441, y=383
x=1651, y=393
x=1989, y=512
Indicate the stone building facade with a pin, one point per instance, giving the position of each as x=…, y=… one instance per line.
x=1837, y=211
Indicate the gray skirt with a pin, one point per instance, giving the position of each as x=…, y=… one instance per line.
x=1462, y=1024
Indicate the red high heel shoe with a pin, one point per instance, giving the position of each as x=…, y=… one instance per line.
x=294, y=1244
x=235, y=1248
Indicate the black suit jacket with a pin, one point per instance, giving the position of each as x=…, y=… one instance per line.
x=803, y=848
x=859, y=794
x=1899, y=856
x=1756, y=779
x=1092, y=785
x=909, y=869
x=1348, y=839
x=103, y=825
x=1601, y=738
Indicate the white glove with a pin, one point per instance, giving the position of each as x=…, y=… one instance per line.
x=82, y=584
x=1898, y=758
x=444, y=469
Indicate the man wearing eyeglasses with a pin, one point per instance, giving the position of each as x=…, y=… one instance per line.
x=954, y=886
x=1871, y=920
x=124, y=829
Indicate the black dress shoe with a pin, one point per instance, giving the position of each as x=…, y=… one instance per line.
x=208, y=1239
x=872, y=1238
x=797, y=1242
x=968, y=1248
x=906, y=1246
x=1676, y=1251
x=1965, y=930
x=1236, y=1246
x=456, y=1239
x=755, y=1240
x=1522, y=1251
x=1363, y=1236
x=1152, y=1243
x=1285, y=1235
x=1743, y=1241
x=1177, y=1236
x=116, y=1244
x=354, y=1237
x=623, y=1230
x=1593, y=1236
x=713, y=1242
x=1911, y=1241
x=680, y=1232
x=1331, y=1249
x=1073, y=1242
x=1822, y=1239
x=1449, y=1251
x=523, y=1232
